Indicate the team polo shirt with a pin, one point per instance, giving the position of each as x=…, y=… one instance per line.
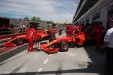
x=109, y=37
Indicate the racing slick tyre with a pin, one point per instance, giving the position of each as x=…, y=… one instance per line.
x=19, y=41
x=64, y=46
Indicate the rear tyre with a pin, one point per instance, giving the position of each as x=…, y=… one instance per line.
x=64, y=46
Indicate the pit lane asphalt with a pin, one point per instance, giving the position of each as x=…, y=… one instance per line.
x=76, y=61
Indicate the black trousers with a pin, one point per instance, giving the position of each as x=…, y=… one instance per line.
x=109, y=59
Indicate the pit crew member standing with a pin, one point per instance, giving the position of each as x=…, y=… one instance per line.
x=98, y=31
x=30, y=36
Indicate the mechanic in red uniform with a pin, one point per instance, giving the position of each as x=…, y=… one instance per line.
x=98, y=31
x=30, y=35
x=71, y=30
x=68, y=30
x=76, y=29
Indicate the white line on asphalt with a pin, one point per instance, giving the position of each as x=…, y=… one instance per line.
x=50, y=55
x=45, y=62
x=5, y=39
x=12, y=49
x=40, y=69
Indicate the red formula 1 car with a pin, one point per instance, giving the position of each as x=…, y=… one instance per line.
x=62, y=44
x=19, y=40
